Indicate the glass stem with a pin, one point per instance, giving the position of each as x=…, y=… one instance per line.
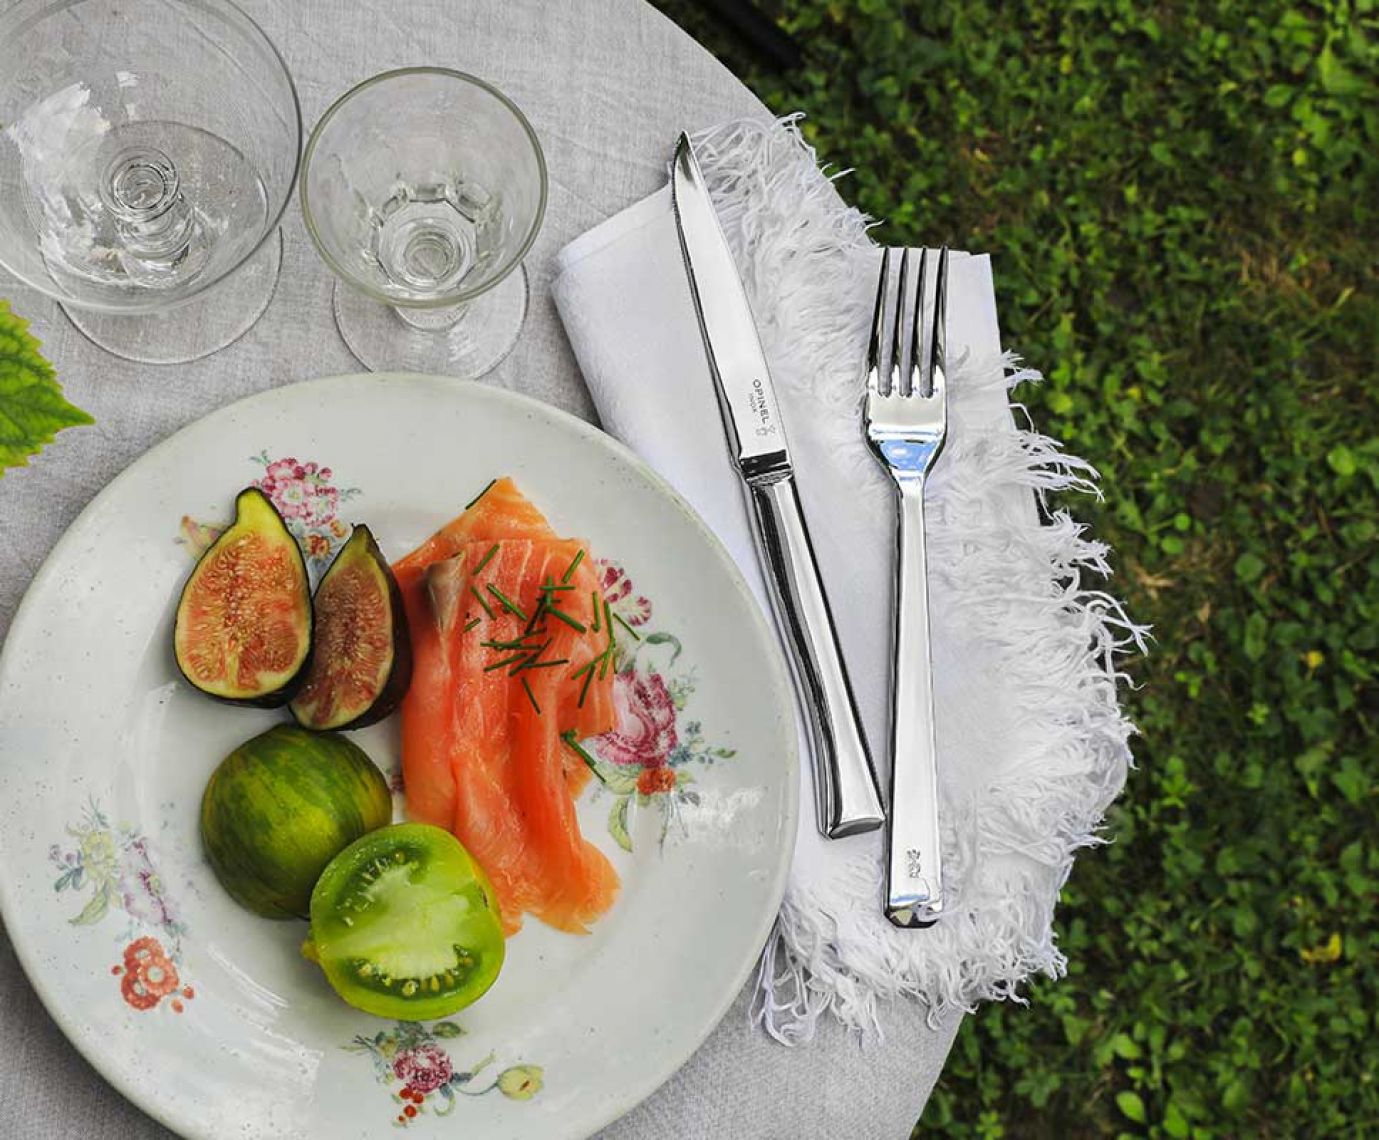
x=143, y=194
x=430, y=320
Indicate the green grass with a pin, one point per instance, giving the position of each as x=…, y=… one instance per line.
x=1181, y=204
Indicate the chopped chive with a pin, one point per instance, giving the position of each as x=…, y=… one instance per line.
x=583, y=753
x=533, y=655
x=594, y=599
x=517, y=657
x=587, y=667
x=570, y=569
x=471, y=623
x=573, y=623
x=537, y=614
x=635, y=635
x=608, y=650
x=482, y=600
x=506, y=602
x=521, y=643
x=549, y=586
x=531, y=696
x=481, y=494
x=492, y=550
x=584, y=689
x=530, y=664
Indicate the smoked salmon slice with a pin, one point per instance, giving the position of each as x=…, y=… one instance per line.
x=511, y=654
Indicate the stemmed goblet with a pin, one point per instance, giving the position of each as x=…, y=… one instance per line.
x=423, y=189
x=148, y=149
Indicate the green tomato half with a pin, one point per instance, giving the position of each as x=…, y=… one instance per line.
x=405, y=925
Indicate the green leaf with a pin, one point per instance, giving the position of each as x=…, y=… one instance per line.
x=1342, y=460
x=32, y=409
x=1124, y=1047
x=1131, y=1106
x=1351, y=780
x=617, y=823
x=1235, y=1096
x=1336, y=78
x=1175, y=1123
x=1248, y=567
x=665, y=639
x=1256, y=641
x=94, y=910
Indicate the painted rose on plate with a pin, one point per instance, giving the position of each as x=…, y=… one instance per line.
x=413, y=1060
x=646, y=758
x=645, y=734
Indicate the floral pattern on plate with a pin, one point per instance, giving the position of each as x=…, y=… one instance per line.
x=304, y=493
x=412, y=1061
x=113, y=867
x=646, y=759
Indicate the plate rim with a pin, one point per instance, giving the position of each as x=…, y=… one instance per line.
x=783, y=695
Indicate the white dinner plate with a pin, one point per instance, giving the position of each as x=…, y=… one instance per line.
x=208, y=1017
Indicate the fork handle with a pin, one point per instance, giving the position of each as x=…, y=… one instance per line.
x=914, y=868
x=846, y=798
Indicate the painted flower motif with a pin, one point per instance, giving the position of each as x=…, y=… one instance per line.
x=317, y=546
x=423, y=1068
x=197, y=537
x=98, y=854
x=653, y=781
x=412, y=1053
x=645, y=732
x=300, y=491
x=149, y=974
x=141, y=890
x=112, y=866
x=618, y=592
x=521, y=1082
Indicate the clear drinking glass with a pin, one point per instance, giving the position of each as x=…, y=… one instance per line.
x=147, y=151
x=423, y=189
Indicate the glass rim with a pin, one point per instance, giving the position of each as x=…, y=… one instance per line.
x=461, y=296
x=155, y=305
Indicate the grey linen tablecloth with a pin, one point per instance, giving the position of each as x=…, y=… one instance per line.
x=607, y=84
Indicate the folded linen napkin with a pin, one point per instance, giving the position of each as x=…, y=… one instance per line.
x=1031, y=740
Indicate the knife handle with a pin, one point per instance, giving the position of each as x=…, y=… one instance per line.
x=846, y=797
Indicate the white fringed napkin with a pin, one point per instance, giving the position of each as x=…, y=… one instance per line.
x=1031, y=740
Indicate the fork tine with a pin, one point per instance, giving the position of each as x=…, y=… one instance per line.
x=878, y=325
x=939, y=352
x=898, y=330
x=919, y=378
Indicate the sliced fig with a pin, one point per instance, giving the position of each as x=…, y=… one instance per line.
x=362, y=663
x=243, y=627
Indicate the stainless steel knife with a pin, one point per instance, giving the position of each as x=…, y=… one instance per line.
x=846, y=797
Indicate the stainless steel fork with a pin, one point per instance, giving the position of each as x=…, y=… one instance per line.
x=906, y=421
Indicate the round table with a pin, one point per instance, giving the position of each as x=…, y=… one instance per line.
x=607, y=85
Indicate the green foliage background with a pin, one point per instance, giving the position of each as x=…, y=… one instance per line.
x=1181, y=202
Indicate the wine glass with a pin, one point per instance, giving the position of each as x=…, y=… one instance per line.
x=148, y=149
x=423, y=189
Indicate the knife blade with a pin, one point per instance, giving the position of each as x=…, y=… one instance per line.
x=846, y=799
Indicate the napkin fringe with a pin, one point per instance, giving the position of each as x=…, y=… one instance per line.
x=1024, y=592
x=1022, y=829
